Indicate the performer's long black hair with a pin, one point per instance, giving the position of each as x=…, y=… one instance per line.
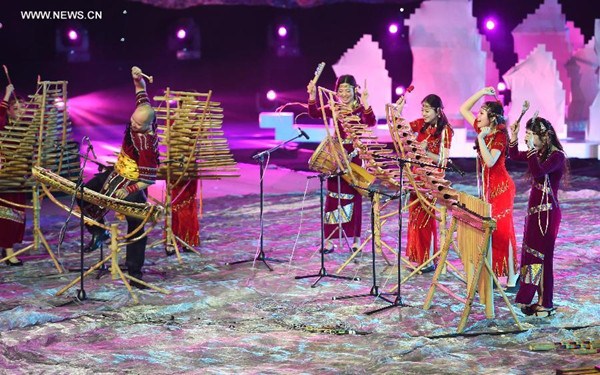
x=435, y=102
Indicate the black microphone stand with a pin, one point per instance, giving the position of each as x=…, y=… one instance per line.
x=323, y=271
x=374, y=292
x=261, y=160
x=398, y=299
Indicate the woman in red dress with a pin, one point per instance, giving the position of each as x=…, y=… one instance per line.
x=496, y=188
x=12, y=218
x=349, y=199
x=435, y=134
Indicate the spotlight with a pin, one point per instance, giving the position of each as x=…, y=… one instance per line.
x=399, y=90
x=72, y=42
x=393, y=28
x=283, y=38
x=271, y=95
x=184, y=39
x=490, y=24
x=72, y=34
x=501, y=86
x=282, y=31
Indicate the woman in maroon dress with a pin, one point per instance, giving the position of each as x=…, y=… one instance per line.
x=434, y=131
x=12, y=218
x=547, y=164
x=497, y=188
x=349, y=198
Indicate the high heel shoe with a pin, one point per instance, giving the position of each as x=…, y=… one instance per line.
x=10, y=262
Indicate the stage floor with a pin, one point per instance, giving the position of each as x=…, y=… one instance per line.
x=243, y=319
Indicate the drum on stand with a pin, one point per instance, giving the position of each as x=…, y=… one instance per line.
x=323, y=160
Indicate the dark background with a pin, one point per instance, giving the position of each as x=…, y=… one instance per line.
x=236, y=61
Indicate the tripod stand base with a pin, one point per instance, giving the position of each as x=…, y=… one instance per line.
x=323, y=273
x=261, y=258
x=396, y=303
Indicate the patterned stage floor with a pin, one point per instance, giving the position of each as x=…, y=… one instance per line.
x=224, y=319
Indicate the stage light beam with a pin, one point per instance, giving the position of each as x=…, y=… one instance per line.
x=271, y=95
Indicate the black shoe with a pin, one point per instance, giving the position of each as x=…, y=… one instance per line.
x=327, y=250
x=97, y=240
x=10, y=261
x=528, y=310
x=170, y=251
x=137, y=285
x=430, y=268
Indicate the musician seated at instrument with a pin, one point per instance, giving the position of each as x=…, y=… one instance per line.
x=134, y=171
x=12, y=218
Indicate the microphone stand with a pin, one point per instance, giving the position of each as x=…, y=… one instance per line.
x=401, y=163
x=79, y=186
x=374, y=292
x=323, y=271
x=261, y=160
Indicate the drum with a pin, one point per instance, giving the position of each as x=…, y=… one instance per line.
x=323, y=159
x=362, y=178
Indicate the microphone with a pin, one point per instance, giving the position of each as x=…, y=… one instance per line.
x=303, y=133
x=90, y=147
x=455, y=168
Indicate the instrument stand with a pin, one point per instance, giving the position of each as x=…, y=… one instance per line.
x=341, y=233
x=261, y=254
x=483, y=262
x=116, y=271
x=402, y=163
x=374, y=195
x=323, y=271
x=398, y=295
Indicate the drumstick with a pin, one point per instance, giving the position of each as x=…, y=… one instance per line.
x=149, y=78
x=9, y=81
x=318, y=72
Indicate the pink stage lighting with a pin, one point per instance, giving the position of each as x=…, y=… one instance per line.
x=282, y=31
x=271, y=95
x=393, y=28
x=72, y=34
x=181, y=34
x=501, y=86
x=399, y=90
x=490, y=24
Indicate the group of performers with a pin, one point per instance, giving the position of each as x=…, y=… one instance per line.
x=137, y=165
x=135, y=170
x=547, y=164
